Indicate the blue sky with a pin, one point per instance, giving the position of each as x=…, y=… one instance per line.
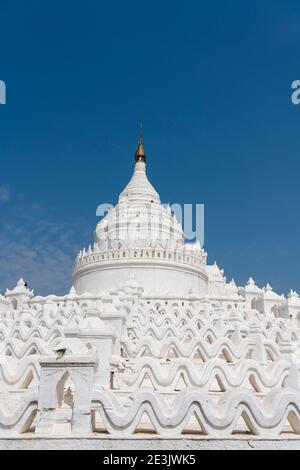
x=211, y=82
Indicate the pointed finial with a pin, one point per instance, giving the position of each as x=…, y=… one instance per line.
x=140, y=155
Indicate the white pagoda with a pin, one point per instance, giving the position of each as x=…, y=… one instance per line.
x=150, y=342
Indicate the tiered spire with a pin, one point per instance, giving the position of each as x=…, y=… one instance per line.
x=139, y=188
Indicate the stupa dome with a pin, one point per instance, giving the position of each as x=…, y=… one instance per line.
x=141, y=237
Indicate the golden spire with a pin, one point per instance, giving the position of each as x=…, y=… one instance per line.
x=140, y=155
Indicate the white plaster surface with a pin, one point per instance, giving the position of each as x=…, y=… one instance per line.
x=148, y=444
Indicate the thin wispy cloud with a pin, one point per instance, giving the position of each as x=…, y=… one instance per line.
x=39, y=248
x=4, y=194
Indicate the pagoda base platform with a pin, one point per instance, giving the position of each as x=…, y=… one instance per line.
x=148, y=444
